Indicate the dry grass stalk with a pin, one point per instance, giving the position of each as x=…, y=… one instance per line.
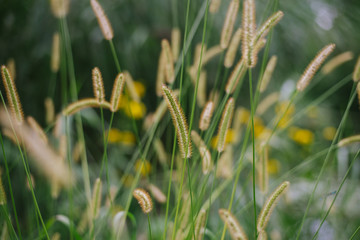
x=49, y=110
x=233, y=48
x=206, y=116
x=131, y=87
x=37, y=128
x=157, y=193
x=175, y=42
x=160, y=77
x=55, y=53
x=12, y=95
x=249, y=27
x=313, y=67
x=204, y=152
x=60, y=8
x=356, y=73
x=225, y=123
x=349, y=140
x=85, y=103
x=98, y=85
x=269, y=206
x=268, y=101
x=103, y=21
x=238, y=73
x=117, y=92
x=179, y=121
x=337, y=61
x=214, y=6
x=96, y=198
x=236, y=231
x=268, y=73
x=143, y=199
x=200, y=225
x=169, y=61
x=268, y=25
x=229, y=23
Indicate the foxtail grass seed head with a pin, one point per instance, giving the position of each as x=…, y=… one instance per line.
x=63, y=146
x=10, y=64
x=336, y=61
x=313, y=67
x=2, y=193
x=84, y=103
x=236, y=231
x=237, y=74
x=268, y=101
x=206, y=116
x=55, y=53
x=228, y=27
x=160, y=150
x=60, y=8
x=268, y=73
x=130, y=85
x=270, y=204
x=96, y=198
x=262, y=235
x=160, y=77
x=268, y=25
x=263, y=168
x=144, y=200
x=12, y=95
x=169, y=61
x=117, y=92
x=232, y=49
x=200, y=225
x=175, y=42
x=210, y=54
x=214, y=6
x=204, y=152
x=356, y=73
x=201, y=93
x=103, y=21
x=254, y=53
x=179, y=122
x=157, y=193
x=197, y=55
x=98, y=85
x=49, y=110
x=349, y=140
x=225, y=123
x=248, y=27
x=37, y=128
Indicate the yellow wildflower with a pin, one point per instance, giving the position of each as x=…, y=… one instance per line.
x=245, y=115
x=301, y=136
x=114, y=135
x=329, y=133
x=128, y=138
x=124, y=137
x=135, y=109
x=140, y=88
x=143, y=167
x=273, y=166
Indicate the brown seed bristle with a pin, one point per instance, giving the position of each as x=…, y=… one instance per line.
x=103, y=21
x=233, y=48
x=143, y=199
x=206, y=116
x=117, y=92
x=313, y=67
x=98, y=85
x=229, y=23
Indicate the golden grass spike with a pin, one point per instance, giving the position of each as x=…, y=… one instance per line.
x=201, y=94
x=160, y=77
x=84, y=103
x=37, y=128
x=236, y=231
x=98, y=84
x=233, y=48
x=103, y=21
x=96, y=198
x=356, y=74
x=204, y=152
x=169, y=61
x=238, y=73
x=228, y=27
x=268, y=25
x=2, y=193
x=131, y=87
x=225, y=123
x=117, y=91
x=157, y=193
x=160, y=150
x=214, y=6
x=49, y=110
x=55, y=53
x=144, y=199
x=257, y=48
x=263, y=168
x=313, y=67
x=206, y=116
x=175, y=42
x=179, y=121
x=60, y=8
x=337, y=61
x=197, y=54
x=346, y=141
x=270, y=205
x=12, y=95
x=10, y=64
x=210, y=54
x=248, y=27
x=161, y=109
x=262, y=235
x=268, y=101
x=268, y=73
x=200, y=225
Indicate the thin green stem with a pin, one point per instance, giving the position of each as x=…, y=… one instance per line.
x=354, y=234
x=116, y=60
x=148, y=217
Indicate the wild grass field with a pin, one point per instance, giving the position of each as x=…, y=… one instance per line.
x=214, y=119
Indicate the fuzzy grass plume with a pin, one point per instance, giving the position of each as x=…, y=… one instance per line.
x=117, y=92
x=236, y=231
x=143, y=199
x=104, y=22
x=225, y=123
x=98, y=85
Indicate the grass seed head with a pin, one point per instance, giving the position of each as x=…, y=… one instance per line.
x=60, y=8
x=214, y=6
x=200, y=225
x=103, y=21
x=233, y=48
x=168, y=61
x=228, y=27
x=175, y=42
x=356, y=73
x=236, y=231
x=249, y=27
x=206, y=116
x=204, y=152
x=268, y=25
x=96, y=198
x=237, y=74
x=268, y=73
x=55, y=53
x=117, y=92
x=98, y=85
x=336, y=61
x=143, y=199
x=225, y=123
x=85, y=103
